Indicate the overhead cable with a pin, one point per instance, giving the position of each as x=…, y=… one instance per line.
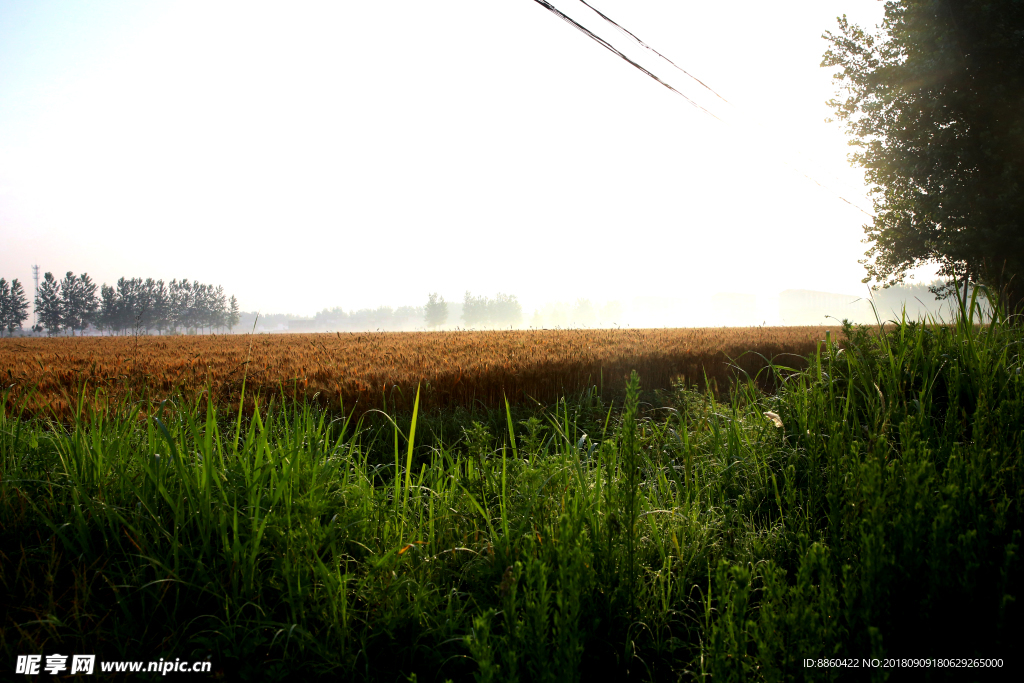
x=645, y=45
x=608, y=46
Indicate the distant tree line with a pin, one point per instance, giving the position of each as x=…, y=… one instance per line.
x=335, y=319
x=502, y=310
x=383, y=317
x=13, y=306
x=132, y=305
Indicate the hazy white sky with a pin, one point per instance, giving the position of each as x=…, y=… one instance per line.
x=307, y=155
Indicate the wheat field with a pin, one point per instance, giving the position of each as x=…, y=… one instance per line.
x=383, y=369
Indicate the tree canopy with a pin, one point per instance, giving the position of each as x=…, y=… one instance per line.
x=78, y=301
x=48, y=305
x=436, y=311
x=503, y=309
x=72, y=304
x=935, y=105
x=13, y=306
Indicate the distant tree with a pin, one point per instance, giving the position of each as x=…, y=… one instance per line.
x=220, y=308
x=436, y=313
x=407, y=316
x=502, y=310
x=233, y=313
x=182, y=304
x=505, y=309
x=208, y=306
x=88, y=301
x=110, y=314
x=381, y=317
x=332, y=318
x=474, y=309
x=5, y=303
x=78, y=301
x=161, y=307
x=147, y=296
x=69, y=302
x=177, y=299
x=17, y=309
x=132, y=309
x=48, y=305
x=202, y=306
x=583, y=313
x=934, y=105
x=122, y=307
x=142, y=318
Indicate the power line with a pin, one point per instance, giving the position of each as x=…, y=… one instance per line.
x=608, y=46
x=601, y=41
x=648, y=47
x=645, y=45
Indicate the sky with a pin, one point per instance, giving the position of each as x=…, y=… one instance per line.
x=317, y=154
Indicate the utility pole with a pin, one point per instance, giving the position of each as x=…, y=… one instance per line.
x=35, y=277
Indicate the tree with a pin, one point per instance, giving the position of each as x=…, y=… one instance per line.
x=202, y=307
x=161, y=307
x=182, y=304
x=16, y=308
x=220, y=307
x=148, y=295
x=177, y=300
x=142, y=305
x=233, y=313
x=69, y=296
x=48, y=305
x=132, y=305
x=78, y=301
x=88, y=302
x=474, y=309
x=436, y=313
x=935, y=104
x=5, y=302
x=110, y=313
x=505, y=309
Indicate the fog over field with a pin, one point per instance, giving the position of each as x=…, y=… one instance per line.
x=363, y=155
x=704, y=309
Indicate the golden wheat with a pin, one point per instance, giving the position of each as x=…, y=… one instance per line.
x=367, y=370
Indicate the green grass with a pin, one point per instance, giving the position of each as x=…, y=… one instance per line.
x=676, y=536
